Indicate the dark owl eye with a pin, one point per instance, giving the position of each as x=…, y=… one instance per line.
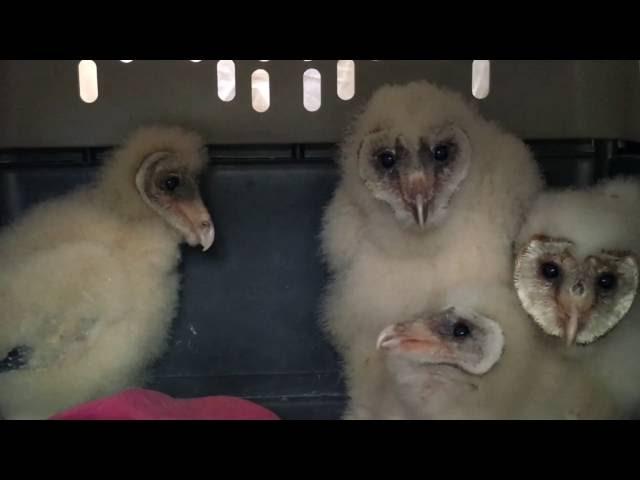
x=607, y=281
x=171, y=183
x=461, y=330
x=387, y=159
x=550, y=270
x=441, y=153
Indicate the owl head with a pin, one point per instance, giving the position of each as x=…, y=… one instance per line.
x=417, y=148
x=576, y=266
x=458, y=337
x=415, y=175
x=470, y=353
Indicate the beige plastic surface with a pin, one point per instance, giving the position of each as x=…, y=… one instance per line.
x=40, y=104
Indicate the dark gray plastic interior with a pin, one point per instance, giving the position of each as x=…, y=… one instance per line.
x=248, y=320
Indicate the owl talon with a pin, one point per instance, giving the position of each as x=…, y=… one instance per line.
x=17, y=358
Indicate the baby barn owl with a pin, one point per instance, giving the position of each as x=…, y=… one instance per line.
x=430, y=194
x=89, y=281
x=576, y=275
x=576, y=271
x=475, y=355
x=434, y=361
x=455, y=338
x=577, y=297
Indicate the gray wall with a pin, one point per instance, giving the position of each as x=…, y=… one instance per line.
x=40, y=105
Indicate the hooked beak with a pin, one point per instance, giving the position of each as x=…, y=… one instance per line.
x=416, y=343
x=387, y=338
x=200, y=229
x=419, y=210
x=577, y=304
x=417, y=192
x=412, y=336
x=571, y=328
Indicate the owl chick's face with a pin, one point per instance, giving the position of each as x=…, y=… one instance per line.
x=456, y=337
x=416, y=176
x=577, y=298
x=170, y=188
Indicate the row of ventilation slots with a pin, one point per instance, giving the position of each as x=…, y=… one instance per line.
x=260, y=92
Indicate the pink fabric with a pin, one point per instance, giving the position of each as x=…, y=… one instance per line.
x=139, y=404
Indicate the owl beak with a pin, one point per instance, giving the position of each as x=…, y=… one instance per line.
x=417, y=193
x=199, y=226
x=408, y=336
x=419, y=210
x=571, y=328
x=577, y=304
x=388, y=338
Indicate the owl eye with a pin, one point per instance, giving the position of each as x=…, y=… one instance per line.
x=387, y=159
x=607, y=281
x=441, y=153
x=171, y=183
x=550, y=270
x=461, y=330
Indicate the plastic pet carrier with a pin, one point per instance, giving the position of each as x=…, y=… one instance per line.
x=248, y=319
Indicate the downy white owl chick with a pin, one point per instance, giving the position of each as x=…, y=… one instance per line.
x=89, y=283
x=576, y=274
x=479, y=358
x=455, y=337
x=434, y=360
x=430, y=194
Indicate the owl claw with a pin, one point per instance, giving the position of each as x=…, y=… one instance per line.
x=15, y=359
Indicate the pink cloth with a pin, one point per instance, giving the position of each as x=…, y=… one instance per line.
x=139, y=404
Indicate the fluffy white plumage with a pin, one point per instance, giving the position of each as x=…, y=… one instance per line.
x=89, y=283
x=531, y=380
x=385, y=272
x=596, y=219
x=601, y=217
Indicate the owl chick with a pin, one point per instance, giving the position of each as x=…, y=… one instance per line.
x=479, y=358
x=435, y=360
x=455, y=337
x=430, y=194
x=576, y=275
x=89, y=281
